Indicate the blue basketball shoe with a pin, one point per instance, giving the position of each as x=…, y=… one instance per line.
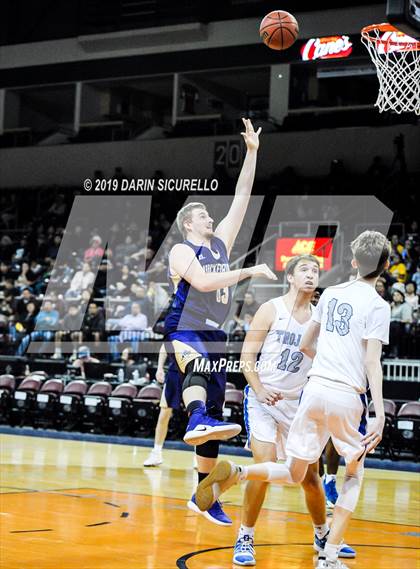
x=202, y=428
x=215, y=514
x=344, y=551
x=331, y=494
x=244, y=552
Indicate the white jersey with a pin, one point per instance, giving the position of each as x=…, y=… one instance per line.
x=348, y=313
x=281, y=363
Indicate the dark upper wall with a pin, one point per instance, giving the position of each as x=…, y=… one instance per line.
x=22, y=21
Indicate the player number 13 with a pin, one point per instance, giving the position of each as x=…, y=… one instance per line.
x=345, y=311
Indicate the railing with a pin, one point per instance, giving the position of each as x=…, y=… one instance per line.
x=401, y=370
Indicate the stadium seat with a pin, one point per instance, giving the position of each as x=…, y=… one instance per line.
x=47, y=402
x=71, y=404
x=25, y=400
x=7, y=387
x=119, y=408
x=407, y=429
x=385, y=448
x=146, y=410
x=95, y=402
x=233, y=410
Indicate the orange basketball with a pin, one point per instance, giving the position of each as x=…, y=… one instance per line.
x=279, y=29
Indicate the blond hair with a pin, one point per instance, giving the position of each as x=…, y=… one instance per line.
x=185, y=214
x=371, y=250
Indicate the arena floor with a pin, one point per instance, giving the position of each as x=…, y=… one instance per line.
x=71, y=504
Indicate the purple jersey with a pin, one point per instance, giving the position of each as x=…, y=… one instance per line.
x=194, y=310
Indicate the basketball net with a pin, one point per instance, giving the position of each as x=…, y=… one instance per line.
x=397, y=60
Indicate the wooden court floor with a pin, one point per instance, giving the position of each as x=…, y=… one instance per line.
x=70, y=504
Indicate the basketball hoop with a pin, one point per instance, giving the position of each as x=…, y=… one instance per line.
x=397, y=60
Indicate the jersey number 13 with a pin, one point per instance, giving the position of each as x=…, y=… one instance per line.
x=344, y=311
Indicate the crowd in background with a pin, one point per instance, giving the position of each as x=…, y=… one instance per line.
x=123, y=303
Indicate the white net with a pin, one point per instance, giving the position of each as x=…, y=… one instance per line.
x=397, y=60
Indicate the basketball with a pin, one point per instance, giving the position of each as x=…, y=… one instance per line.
x=279, y=30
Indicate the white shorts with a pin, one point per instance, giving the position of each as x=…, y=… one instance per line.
x=324, y=412
x=269, y=423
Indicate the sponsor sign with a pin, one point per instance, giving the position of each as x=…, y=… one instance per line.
x=330, y=47
x=288, y=247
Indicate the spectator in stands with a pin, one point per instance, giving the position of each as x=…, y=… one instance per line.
x=397, y=269
x=22, y=280
x=94, y=323
x=135, y=372
x=9, y=289
x=125, y=249
x=52, y=250
x=6, y=308
x=242, y=326
x=82, y=280
x=69, y=330
x=132, y=328
x=416, y=277
x=48, y=317
x=21, y=251
x=141, y=298
x=396, y=247
x=401, y=318
x=316, y=296
x=5, y=272
x=95, y=251
x=84, y=357
x=381, y=289
x=248, y=306
x=26, y=297
x=46, y=323
x=407, y=253
x=125, y=280
x=26, y=325
x=411, y=296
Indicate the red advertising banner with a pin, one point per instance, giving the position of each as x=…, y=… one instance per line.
x=288, y=247
x=329, y=47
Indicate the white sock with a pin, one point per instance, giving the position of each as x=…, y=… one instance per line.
x=331, y=551
x=321, y=530
x=329, y=477
x=158, y=448
x=243, y=472
x=245, y=530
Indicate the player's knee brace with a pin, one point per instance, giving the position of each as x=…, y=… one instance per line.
x=194, y=377
x=210, y=449
x=350, y=491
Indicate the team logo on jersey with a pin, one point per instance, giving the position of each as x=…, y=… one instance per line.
x=287, y=338
x=216, y=254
